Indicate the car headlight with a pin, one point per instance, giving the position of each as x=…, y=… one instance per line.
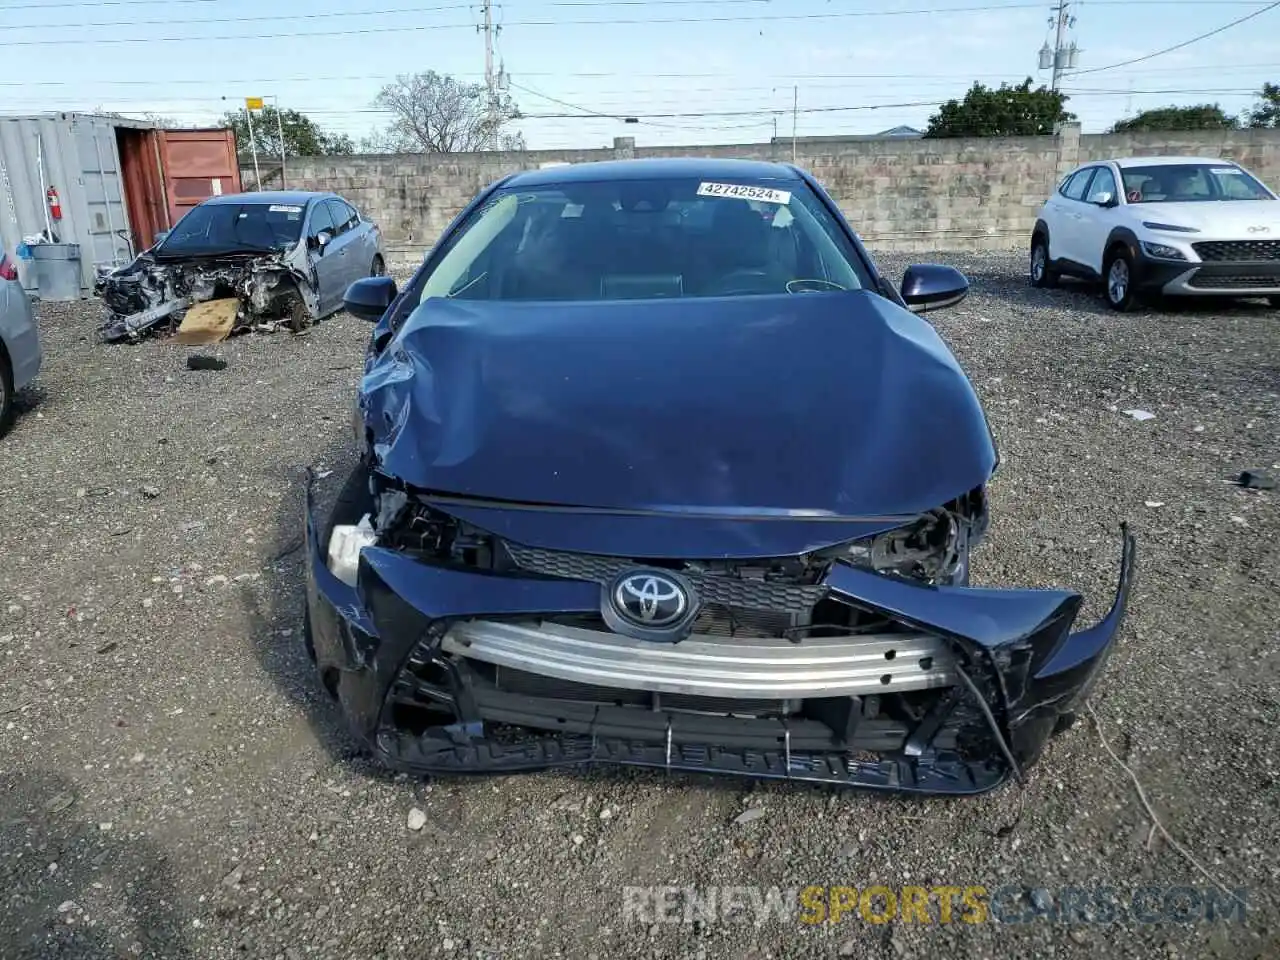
x=345, y=544
x=1162, y=251
x=929, y=548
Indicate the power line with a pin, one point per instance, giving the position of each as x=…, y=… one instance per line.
x=809, y=79
x=196, y=23
x=614, y=21
x=240, y=38
x=1179, y=46
x=598, y=108
x=65, y=4
x=584, y=111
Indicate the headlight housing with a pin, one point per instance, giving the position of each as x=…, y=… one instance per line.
x=932, y=548
x=345, y=544
x=1162, y=251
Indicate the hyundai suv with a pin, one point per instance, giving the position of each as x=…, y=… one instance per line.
x=1182, y=226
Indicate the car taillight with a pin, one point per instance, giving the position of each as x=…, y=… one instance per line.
x=7, y=270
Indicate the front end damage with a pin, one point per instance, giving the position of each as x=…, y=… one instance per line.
x=153, y=293
x=453, y=648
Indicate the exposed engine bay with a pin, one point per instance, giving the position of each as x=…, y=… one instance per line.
x=140, y=296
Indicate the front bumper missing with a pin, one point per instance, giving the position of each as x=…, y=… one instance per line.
x=442, y=670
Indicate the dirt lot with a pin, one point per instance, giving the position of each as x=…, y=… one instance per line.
x=174, y=784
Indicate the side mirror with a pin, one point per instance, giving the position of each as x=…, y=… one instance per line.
x=1105, y=199
x=932, y=286
x=322, y=239
x=369, y=298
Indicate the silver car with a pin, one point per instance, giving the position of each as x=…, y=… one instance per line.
x=287, y=256
x=20, y=354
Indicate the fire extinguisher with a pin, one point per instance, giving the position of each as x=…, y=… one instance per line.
x=55, y=205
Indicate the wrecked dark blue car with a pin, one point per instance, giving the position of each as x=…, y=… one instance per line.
x=658, y=470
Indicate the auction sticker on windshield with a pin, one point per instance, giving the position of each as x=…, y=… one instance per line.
x=763, y=194
x=283, y=208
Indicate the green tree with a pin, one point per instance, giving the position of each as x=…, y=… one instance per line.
x=1204, y=116
x=1266, y=115
x=434, y=113
x=303, y=137
x=1007, y=112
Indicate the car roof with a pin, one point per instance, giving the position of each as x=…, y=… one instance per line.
x=294, y=197
x=664, y=168
x=1123, y=162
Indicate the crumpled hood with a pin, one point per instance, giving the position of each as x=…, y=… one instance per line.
x=1217, y=219
x=815, y=404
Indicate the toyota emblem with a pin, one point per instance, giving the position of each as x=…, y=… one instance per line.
x=650, y=599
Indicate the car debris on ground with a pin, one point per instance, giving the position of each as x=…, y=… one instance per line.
x=1256, y=480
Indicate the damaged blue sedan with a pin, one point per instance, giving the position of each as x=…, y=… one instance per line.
x=658, y=469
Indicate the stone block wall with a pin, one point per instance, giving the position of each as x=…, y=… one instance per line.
x=910, y=195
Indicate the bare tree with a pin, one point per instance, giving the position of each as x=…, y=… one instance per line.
x=435, y=113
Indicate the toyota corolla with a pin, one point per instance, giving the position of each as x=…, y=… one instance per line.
x=658, y=469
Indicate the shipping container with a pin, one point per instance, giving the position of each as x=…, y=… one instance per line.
x=118, y=183
x=198, y=164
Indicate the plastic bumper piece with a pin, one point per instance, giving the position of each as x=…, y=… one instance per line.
x=365, y=640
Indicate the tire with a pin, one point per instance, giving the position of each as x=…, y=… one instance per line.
x=1117, y=280
x=1042, y=272
x=379, y=266
x=297, y=318
x=6, y=393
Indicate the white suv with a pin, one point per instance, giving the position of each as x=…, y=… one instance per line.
x=1184, y=226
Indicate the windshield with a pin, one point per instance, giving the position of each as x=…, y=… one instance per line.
x=1189, y=182
x=231, y=227
x=636, y=239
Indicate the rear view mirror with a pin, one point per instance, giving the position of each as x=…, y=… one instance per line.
x=932, y=286
x=369, y=298
x=323, y=238
x=1105, y=199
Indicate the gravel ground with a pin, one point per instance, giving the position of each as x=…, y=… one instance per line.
x=174, y=785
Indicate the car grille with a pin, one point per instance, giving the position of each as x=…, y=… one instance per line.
x=734, y=593
x=1233, y=282
x=1240, y=251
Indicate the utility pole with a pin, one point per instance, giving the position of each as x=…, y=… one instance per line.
x=284, y=176
x=490, y=79
x=248, y=116
x=795, y=112
x=1062, y=56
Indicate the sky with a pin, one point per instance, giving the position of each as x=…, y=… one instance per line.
x=691, y=71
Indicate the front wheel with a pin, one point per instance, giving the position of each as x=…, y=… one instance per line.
x=1117, y=280
x=1042, y=274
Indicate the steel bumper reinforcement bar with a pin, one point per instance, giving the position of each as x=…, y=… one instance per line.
x=710, y=666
